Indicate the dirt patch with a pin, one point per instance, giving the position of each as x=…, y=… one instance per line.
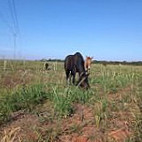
x=80, y=127
x=21, y=128
x=119, y=135
x=28, y=127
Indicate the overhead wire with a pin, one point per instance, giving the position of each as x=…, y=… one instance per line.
x=14, y=27
x=15, y=15
x=5, y=21
x=10, y=4
x=10, y=28
x=16, y=30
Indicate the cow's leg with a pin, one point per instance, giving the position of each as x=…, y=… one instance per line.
x=73, y=74
x=73, y=81
x=67, y=76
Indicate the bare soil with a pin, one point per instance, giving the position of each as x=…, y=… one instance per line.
x=79, y=127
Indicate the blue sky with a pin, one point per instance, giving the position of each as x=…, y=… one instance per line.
x=104, y=29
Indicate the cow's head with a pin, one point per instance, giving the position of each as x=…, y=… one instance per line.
x=88, y=62
x=83, y=80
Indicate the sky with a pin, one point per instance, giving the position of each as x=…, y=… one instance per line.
x=105, y=29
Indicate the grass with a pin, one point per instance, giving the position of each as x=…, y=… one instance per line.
x=114, y=91
x=30, y=96
x=23, y=98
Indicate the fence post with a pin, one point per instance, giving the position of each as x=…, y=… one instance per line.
x=55, y=66
x=4, y=66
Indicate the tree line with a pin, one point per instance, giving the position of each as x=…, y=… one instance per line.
x=137, y=63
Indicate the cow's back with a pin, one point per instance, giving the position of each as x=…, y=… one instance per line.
x=69, y=62
x=75, y=61
x=79, y=62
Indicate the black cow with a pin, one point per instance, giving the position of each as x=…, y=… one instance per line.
x=46, y=65
x=75, y=63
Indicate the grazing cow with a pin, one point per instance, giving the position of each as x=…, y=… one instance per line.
x=87, y=63
x=46, y=65
x=75, y=63
x=104, y=64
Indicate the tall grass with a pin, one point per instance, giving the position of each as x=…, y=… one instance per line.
x=28, y=97
x=111, y=79
x=23, y=98
x=124, y=82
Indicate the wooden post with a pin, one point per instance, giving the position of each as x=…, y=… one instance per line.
x=55, y=66
x=4, y=66
x=11, y=66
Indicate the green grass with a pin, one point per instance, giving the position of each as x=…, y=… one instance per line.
x=30, y=96
x=114, y=89
x=23, y=98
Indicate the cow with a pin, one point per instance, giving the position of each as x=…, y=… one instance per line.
x=87, y=63
x=46, y=66
x=72, y=65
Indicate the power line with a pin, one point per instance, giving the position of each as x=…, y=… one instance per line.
x=15, y=15
x=16, y=30
x=12, y=12
x=6, y=22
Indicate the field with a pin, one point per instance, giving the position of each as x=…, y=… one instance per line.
x=36, y=105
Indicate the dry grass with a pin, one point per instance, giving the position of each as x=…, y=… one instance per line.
x=109, y=111
x=11, y=135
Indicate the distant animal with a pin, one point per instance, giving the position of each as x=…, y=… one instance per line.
x=73, y=64
x=87, y=63
x=104, y=64
x=46, y=66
